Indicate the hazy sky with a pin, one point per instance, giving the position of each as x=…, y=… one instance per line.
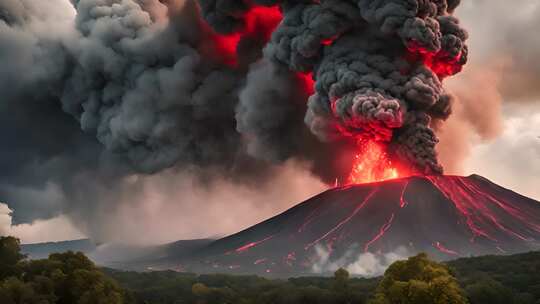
x=504, y=53
x=495, y=132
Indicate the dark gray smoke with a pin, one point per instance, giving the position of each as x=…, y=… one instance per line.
x=378, y=66
x=142, y=86
x=145, y=80
x=149, y=81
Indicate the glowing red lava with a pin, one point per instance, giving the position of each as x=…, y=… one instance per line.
x=443, y=249
x=248, y=246
x=372, y=164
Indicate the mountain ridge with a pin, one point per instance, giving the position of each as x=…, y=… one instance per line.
x=446, y=216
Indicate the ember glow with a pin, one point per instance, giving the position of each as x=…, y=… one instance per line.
x=372, y=164
x=441, y=63
x=307, y=82
x=259, y=23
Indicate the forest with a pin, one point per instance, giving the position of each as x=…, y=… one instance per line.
x=71, y=278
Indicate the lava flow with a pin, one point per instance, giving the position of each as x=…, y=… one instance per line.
x=444, y=216
x=372, y=164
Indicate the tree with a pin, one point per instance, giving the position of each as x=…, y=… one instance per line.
x=200, y=290
x=490, y=291
x=10, y=256
x=341, y=286
x=63, y=278
x=341, y=280
x=418, y=280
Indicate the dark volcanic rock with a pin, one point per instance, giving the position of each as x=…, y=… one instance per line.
x=445, y=216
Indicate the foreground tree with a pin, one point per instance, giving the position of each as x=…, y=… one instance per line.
x=10, y=256
x=418, y=280
x=63, y=278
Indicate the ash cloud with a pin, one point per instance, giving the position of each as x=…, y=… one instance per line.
x=96, y=94
x=378, y=67
x=102, y=99
x=98, y=91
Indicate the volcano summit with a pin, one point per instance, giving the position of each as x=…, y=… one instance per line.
x=445, y=216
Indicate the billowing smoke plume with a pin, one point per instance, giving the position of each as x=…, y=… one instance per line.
x=501, y=77
x=378, y=66
x=97, y=92
x=155, y=86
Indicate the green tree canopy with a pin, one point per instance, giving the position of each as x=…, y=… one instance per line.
x=10, y=256
x=488, y=291
x=63, y=278
x=418, y=280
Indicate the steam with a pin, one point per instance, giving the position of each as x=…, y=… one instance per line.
x=360, y=264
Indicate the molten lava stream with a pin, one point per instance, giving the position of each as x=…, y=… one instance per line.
x=372, y=164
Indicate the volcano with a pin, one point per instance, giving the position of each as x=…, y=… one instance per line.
x=446, y=216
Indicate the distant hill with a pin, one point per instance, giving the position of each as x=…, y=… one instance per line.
x=118, y=255
x=520, y=271
x=42, y=250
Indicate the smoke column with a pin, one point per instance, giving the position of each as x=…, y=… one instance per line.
x=95, y=92
x=378, y=67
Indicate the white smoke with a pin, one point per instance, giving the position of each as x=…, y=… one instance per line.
x=364, y=264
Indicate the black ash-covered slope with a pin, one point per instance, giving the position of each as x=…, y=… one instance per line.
x=446, y=216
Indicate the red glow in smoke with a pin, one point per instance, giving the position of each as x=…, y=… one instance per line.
x=372, y=164
x=329, y=41
x=259, y=23
x=440, y=63
x=307, y=82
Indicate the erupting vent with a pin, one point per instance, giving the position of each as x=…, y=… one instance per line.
x=373, y=71
x=445, y=216
x=372, y=164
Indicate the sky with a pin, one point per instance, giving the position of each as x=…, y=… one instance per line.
x=494, y=132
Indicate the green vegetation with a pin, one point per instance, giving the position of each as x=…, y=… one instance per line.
x=63, y=278
x=483, y=280
x=418, y=280
x=171, y=287
x=71, y=278
x=511, y=279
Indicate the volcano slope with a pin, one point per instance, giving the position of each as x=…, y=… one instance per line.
x=445, y=216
